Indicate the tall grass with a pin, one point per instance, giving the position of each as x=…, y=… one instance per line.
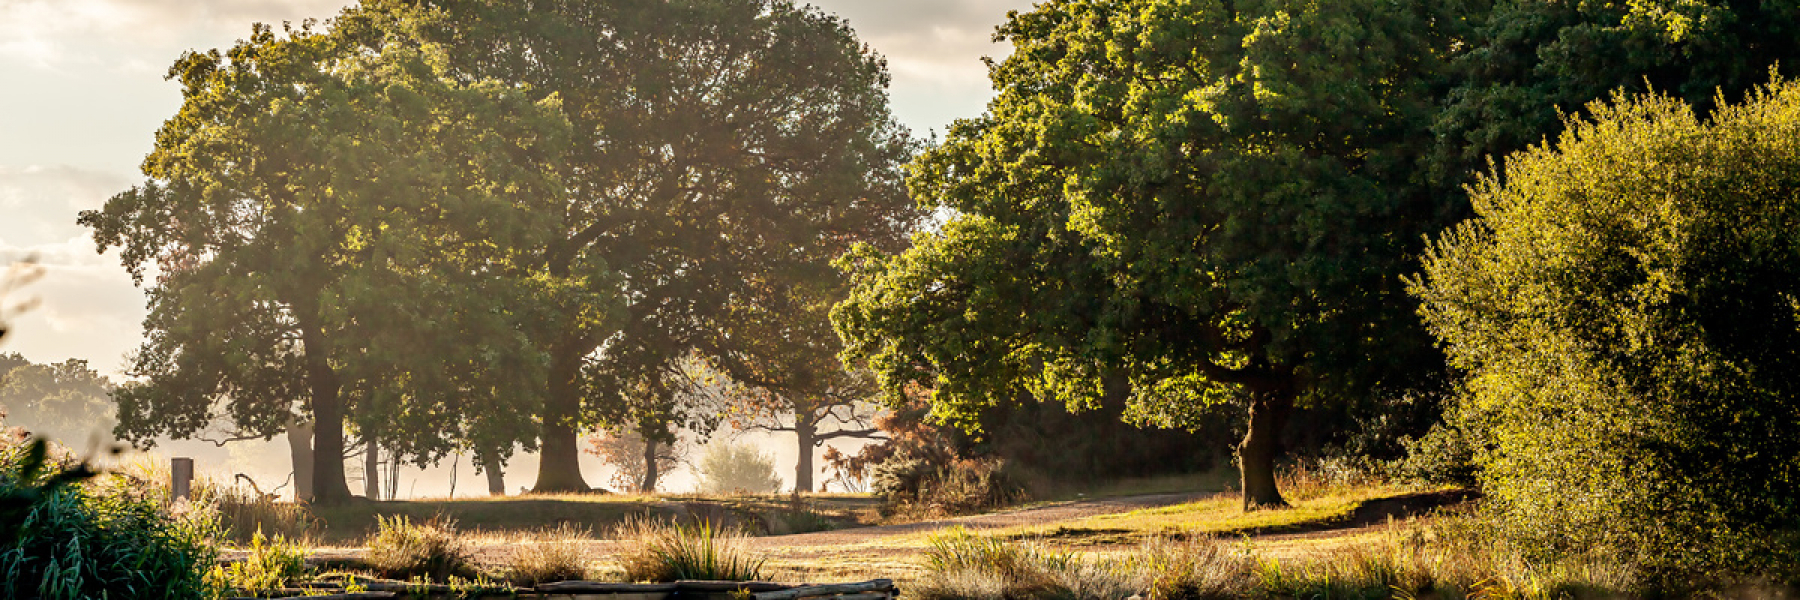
x=963, y=564
x=270, y=565
x=242, y=511
x=654, y=550
x=1449, y=559
x=107, y=537
x=551, y=555
x=402, y=549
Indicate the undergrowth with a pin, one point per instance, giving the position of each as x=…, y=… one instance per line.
x=109, y=536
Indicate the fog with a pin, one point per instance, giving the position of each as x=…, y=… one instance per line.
x=268, y=465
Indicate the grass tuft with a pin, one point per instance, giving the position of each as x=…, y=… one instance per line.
x=552, y=555
x=401, y=549
x=662, y=551
x=270, y=565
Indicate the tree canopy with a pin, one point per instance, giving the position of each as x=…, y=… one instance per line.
x=1210, y=199
x=296, y=229
x=716, y=145
x=67, y=401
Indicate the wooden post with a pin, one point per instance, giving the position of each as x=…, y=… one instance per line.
x=181, y=477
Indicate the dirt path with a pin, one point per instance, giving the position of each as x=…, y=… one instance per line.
x=1031, y=515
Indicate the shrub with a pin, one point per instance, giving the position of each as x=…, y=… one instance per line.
x=737, y=469
x=1625, y=309
x=913, y=485
x=401, y=549
x=1444, y=455
x=661, y=551
x=553, y=555
x=97, y=539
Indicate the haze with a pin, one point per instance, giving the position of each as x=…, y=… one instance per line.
x=85, y=94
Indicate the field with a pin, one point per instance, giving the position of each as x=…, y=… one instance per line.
x=841, y=537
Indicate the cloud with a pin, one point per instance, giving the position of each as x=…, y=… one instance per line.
x=53, y=34
x=41, y=203
x=83, y=305
x=937, y=41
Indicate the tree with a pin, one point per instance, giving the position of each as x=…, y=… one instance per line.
x=1209, y=201
x=65, y=400
x=627, y=452
x=1528, y=63
x=319, y=218
x=714, y=140
x=728, y=468
x=1624, y=308
x=781, y=358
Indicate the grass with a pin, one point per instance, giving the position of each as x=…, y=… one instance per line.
x=661, y=551
x=551, y=555
x=525, y=515
x=403, y=549
x=1221, y=515
x=272, y=564
x=1442, y=558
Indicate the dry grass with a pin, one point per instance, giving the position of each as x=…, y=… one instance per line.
x=242, y=511
x=550, y=555
x=1447, y=558
x=402, y=549
x=524, y=515
x=960, y=564
x=656, y=550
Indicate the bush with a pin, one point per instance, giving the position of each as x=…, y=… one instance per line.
x=660, y=551
x=909, y=485
x=401, y=549
x=1625, y=309
x=737, y=469
x=1444, y=455
x=101, y=538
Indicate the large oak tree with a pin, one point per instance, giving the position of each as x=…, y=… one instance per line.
x=319, y=227
x=716, y=144
x=1212, y=199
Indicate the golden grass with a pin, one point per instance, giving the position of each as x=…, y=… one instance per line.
x=549, y=555
x=518, y=515
x=1221, y=515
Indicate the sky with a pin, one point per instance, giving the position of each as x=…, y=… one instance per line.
x=82, y=93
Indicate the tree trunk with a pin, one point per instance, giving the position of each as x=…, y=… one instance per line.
x=806, y=430
x=1262, y=443
x=371, y=470
x=329, y=486
x=299, y=438
x=650, y=473
x=559, y=461
x=496, y=479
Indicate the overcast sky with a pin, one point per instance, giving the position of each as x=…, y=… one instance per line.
x=83, y=94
